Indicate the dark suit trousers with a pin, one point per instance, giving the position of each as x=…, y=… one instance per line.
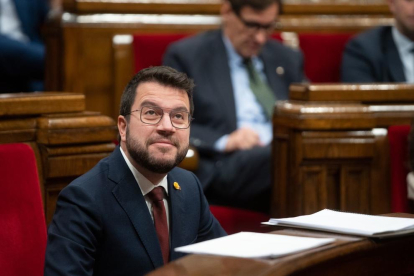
x=242, y=179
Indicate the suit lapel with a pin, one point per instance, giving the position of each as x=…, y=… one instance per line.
x=393, y=60
x=177, y=216
x=130, y=197
x=220, y=78
x=271, y=61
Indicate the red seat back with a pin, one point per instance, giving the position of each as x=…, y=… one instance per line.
x=398, y=140
x=149, y=48
x=22, y=221
x=323, y=55
x=234, y=220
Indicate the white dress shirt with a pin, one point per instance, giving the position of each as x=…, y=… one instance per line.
x=249, y=112
x=405, y=49
x=146, y=186
x=10, y=24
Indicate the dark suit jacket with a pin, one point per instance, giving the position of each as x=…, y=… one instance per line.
x=22, y=64
x=204, y=59
x=102, y=225
x=372, y=57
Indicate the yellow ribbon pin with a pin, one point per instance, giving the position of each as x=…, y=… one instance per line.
x=176, y=186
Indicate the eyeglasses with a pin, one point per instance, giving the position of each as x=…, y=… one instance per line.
x=255, y=26
x=152, y=115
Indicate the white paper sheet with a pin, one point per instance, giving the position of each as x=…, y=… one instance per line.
x=350, y=223
x=254, y=245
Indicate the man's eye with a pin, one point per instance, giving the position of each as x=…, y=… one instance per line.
x=179, y=116
x=150, y=112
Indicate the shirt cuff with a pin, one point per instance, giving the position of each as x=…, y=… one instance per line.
x=221, y=143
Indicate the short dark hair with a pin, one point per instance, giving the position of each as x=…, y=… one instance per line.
x=163, y=75
x=258, y=5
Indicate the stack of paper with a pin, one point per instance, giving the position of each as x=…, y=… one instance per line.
x=254, y=245
x=349, y=223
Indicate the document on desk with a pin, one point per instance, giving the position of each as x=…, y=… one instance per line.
x=254, y=245
x=350, y=223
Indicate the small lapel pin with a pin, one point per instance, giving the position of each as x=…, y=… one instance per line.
x=176, y=186
x=280, y=70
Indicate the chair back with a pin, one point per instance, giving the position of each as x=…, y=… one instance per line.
x=22, y=221
x=398, y=141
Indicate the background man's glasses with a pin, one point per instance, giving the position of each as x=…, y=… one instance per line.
x=152, y=115
x=255, y=26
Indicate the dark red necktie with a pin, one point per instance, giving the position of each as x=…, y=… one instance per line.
x=160, y=220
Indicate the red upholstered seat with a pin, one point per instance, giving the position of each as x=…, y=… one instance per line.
x=323, y=55
x=22, y=221
x=149, y=48
x=234, y=220
x=398, y=140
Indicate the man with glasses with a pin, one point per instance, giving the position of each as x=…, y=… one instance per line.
x=239, y=74
x=126, y=215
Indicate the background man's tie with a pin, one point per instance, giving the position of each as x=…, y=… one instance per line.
x=160, y=220
x=261, y=90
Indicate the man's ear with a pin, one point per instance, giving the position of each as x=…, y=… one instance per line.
x=122, y=127
x=391, y=5
x=225, y=10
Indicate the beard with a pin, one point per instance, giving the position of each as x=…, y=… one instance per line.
x=142, y=157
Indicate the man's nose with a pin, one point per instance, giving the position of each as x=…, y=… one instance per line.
x=261, y=36
x=165, y=123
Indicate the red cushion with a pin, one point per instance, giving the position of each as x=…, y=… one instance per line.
x=149, y=48
x=22, y=221
x=323, y=55
x=234, y=220
x=398, y=140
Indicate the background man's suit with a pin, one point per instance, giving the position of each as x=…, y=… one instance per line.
x=111, y=231
x=372, y=57
x=22, y=64
x=204, y=59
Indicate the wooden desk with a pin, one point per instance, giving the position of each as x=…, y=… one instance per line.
x=331, y=147
x=348, y=255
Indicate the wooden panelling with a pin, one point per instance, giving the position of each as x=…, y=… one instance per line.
x=67, y=141
x=355, y=188
x=299, y=7
x=40, y=102
x=339, y=149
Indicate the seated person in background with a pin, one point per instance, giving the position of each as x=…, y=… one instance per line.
x=383, y=54
x=239, y=74
x=127, y=214
x=22, y=52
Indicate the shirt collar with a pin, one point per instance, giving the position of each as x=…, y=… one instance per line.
x=403, y=43
x=234, y=58
x=143, y=183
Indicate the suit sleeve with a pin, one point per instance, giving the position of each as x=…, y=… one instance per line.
x=19, y=59
x=356, y=66
x=73, y=235
x=209, y=227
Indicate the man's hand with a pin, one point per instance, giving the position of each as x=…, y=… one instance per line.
x=242, y=139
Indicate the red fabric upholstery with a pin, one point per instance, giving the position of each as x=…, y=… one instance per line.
x=149, y=48
x=323, y=55
x=22, y=222
x=235, y=220
x=322, y=52
x=398, y=139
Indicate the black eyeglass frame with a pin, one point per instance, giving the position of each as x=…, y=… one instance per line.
x=190, y=118
x=255, y=25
